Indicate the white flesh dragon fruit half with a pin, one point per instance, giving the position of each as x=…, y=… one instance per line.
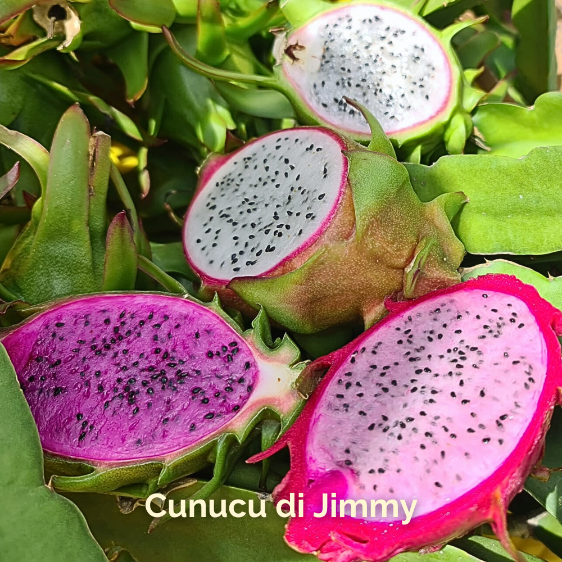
x=376, y=54
x=380, y=55
x=246, y=221
x=304, y=217
x=442, y=406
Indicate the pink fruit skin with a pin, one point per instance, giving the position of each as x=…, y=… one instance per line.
x=347, y=539
x=331, y=226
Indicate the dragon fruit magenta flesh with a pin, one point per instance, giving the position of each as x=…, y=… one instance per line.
x=133, y=391
x=317, y=229
x=384, y=56
x=445, y=402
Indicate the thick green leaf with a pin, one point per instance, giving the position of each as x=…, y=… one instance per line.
x=548, y=530
x=11, y=8
x=515, y=206
x=489, y=549
x=269, y=104
x=35, y=522
x=549, y=289
x=170, y=257
x=22, y=55
x=146, y=12
x=78, y=95
x=194, y=113
x=512, y=130
x=548, y=493
x=131, y=56
x=473, y=52
x=199, y=539
x=535, y=56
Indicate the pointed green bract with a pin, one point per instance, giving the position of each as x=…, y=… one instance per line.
x=146, y=12
x=53, y=256
x=120, y=267
x=100, y=166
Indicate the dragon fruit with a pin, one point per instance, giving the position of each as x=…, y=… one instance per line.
x=445, y=402
x=133, y=391
x=69, y=246
x=380, y=54
x=305, y=217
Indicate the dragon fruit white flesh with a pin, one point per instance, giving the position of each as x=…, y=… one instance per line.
x=380, y=54
x=446, y=402
x=133, y=391
x=304, y=217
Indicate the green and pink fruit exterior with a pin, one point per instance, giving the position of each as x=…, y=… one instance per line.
x=446, y=402
x=131, y=392
x=316, y=229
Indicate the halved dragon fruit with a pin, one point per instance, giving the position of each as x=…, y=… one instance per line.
x=317, y=229
x=384, y=56
x=445, y=403
x=133, y=391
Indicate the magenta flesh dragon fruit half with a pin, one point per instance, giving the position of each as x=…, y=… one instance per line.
x=446, y=402
x=380, y=54
x=317, y=229
x=133, y=391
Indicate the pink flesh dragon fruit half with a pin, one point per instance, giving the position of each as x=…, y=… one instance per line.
x=445, y=402
x=133, y=391
x=304, y=217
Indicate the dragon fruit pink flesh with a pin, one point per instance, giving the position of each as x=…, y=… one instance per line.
x=133, y=391
x=446, y=402
x=384, y=56
x=318, y=230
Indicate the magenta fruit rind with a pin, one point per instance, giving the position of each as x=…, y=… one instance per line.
x=348, y=539
x=153, y=400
